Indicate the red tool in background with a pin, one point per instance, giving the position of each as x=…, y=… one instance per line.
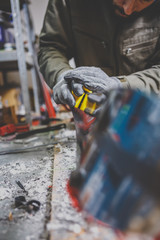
x=47, y=99
x=45, y=91
x=12, y=128
x=7, y=129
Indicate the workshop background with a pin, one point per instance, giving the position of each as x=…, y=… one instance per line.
x=38, y=143
x=30, y=127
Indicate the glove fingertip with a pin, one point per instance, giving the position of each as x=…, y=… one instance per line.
x=78, y=92
x=71, y=102
x=68, y=77
x=55, y=98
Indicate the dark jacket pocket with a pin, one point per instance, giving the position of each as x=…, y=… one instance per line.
x=138, y=54
x=92, y=51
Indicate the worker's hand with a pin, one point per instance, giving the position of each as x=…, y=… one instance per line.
x=93, y=78
x=62, y=90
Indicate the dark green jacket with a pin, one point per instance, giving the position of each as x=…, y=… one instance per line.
x=91, y=33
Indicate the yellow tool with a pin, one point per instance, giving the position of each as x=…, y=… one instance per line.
x=83, y=103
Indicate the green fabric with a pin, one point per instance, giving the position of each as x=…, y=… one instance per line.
x=91, y=33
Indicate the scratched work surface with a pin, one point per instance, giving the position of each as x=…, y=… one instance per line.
x=33, y=168
x=66, y=223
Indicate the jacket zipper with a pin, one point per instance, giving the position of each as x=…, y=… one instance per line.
x=133, y=47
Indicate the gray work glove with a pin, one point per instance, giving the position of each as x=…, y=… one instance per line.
x=95, y=80
x=62, y=90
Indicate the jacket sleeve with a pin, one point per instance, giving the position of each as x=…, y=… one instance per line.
x=147, y=80
x=55, y=44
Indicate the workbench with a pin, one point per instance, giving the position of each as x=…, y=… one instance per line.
x=44, y=172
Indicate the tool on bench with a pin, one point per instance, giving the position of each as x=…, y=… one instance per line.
x=12, y=128
x=7, y=129
x=22, y=187
x=40, y=130
x=30, y=206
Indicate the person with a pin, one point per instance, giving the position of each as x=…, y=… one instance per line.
x=114, y=43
